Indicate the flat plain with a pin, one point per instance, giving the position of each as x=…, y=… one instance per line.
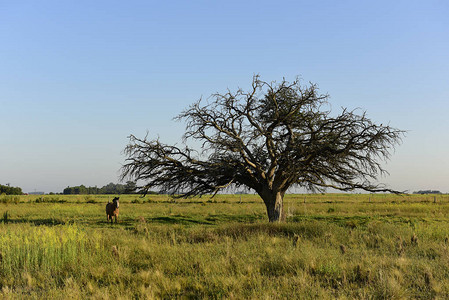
x=332, y=246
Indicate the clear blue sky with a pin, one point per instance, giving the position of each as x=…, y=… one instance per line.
x=77, y=77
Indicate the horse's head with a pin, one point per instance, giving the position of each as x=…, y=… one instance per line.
x=115, y=201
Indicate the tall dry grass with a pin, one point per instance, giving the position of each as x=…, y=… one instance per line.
x=330, y=248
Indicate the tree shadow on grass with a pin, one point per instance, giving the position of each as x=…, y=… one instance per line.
x=55, y=222
x=178, y=220
x=224, y=218
x=39, y=222
x=344, y=221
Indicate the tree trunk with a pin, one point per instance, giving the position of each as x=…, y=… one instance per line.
x=274, y=201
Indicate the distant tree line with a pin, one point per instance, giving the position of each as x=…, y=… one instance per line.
x=427, y=192
x=111, y=188
x=9, y=190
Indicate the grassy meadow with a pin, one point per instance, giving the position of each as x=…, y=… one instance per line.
x=333, y=246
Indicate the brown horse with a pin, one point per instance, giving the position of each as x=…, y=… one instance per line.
x=112, y=209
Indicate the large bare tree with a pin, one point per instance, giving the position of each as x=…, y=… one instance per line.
x=270, y=138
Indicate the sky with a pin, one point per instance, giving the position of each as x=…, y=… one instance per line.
x=78, y=77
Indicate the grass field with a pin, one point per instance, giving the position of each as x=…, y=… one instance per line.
x=333, y=246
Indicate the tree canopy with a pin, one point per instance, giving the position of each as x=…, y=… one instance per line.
x=271, y=138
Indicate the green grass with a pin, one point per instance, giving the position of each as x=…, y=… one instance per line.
x=334, y=246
